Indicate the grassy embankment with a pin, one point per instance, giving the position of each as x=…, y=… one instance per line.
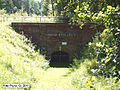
x=19, y=62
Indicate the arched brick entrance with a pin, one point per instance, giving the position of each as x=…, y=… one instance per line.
x=52, y=37
x=59, y=56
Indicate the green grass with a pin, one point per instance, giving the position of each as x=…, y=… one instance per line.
x=19, y=62
x=56, y=79
x=61, y=78
x=84, y=79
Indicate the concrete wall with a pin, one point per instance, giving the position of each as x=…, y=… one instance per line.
x=52, y=37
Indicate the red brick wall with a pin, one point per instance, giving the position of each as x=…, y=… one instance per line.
x=49, y=36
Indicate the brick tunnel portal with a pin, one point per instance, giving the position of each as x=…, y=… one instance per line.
x=60, y=42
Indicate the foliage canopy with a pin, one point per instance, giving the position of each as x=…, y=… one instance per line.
x=106, y=46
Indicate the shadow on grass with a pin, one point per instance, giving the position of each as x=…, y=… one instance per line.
x=67, y=74
x=60, y=64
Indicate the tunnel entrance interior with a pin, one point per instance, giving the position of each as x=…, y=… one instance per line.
x=60, y=56
x=59, y=59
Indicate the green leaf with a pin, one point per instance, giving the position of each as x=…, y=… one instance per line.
x=55, y=4
x=113, y=8
x=75, y=10
x=81, y=26
x=106, y=30
x=117, y=28
x=88, y=15
x=58, y=1
x=107, y=60
x=86, y=7
x=90, y=43
x=77, y=7
x=81, y=15
x=114, y=67
x=117, y=7
x=106, y=50
x=109, y=7
x=100, y=12
x=119, y=72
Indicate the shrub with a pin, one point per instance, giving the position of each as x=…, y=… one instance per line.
x=106, y=47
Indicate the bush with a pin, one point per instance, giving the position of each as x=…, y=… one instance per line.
x=84, y=79
x=106, y=47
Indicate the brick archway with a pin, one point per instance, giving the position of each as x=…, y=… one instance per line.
x=60, y=56
x=49, y=37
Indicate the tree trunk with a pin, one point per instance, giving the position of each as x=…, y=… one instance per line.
x=52, y=7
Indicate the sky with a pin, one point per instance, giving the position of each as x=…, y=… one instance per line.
x=39, y=0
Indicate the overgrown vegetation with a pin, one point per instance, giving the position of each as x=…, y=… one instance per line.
x=105, y=47
x=84, y=79
x=19, y=62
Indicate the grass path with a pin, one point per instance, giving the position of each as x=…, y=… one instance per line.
x=55, y=79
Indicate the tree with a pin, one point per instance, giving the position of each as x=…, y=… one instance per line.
x=2, y=4
x=53, y=9
x=70, y=6
x=13, y=6
x=28, y=7
x=9, y=7
x=44, y=8
x=106, y=48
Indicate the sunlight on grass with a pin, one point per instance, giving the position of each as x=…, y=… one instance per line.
x=84, y=79
x=19, y=62
x=56, y=79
